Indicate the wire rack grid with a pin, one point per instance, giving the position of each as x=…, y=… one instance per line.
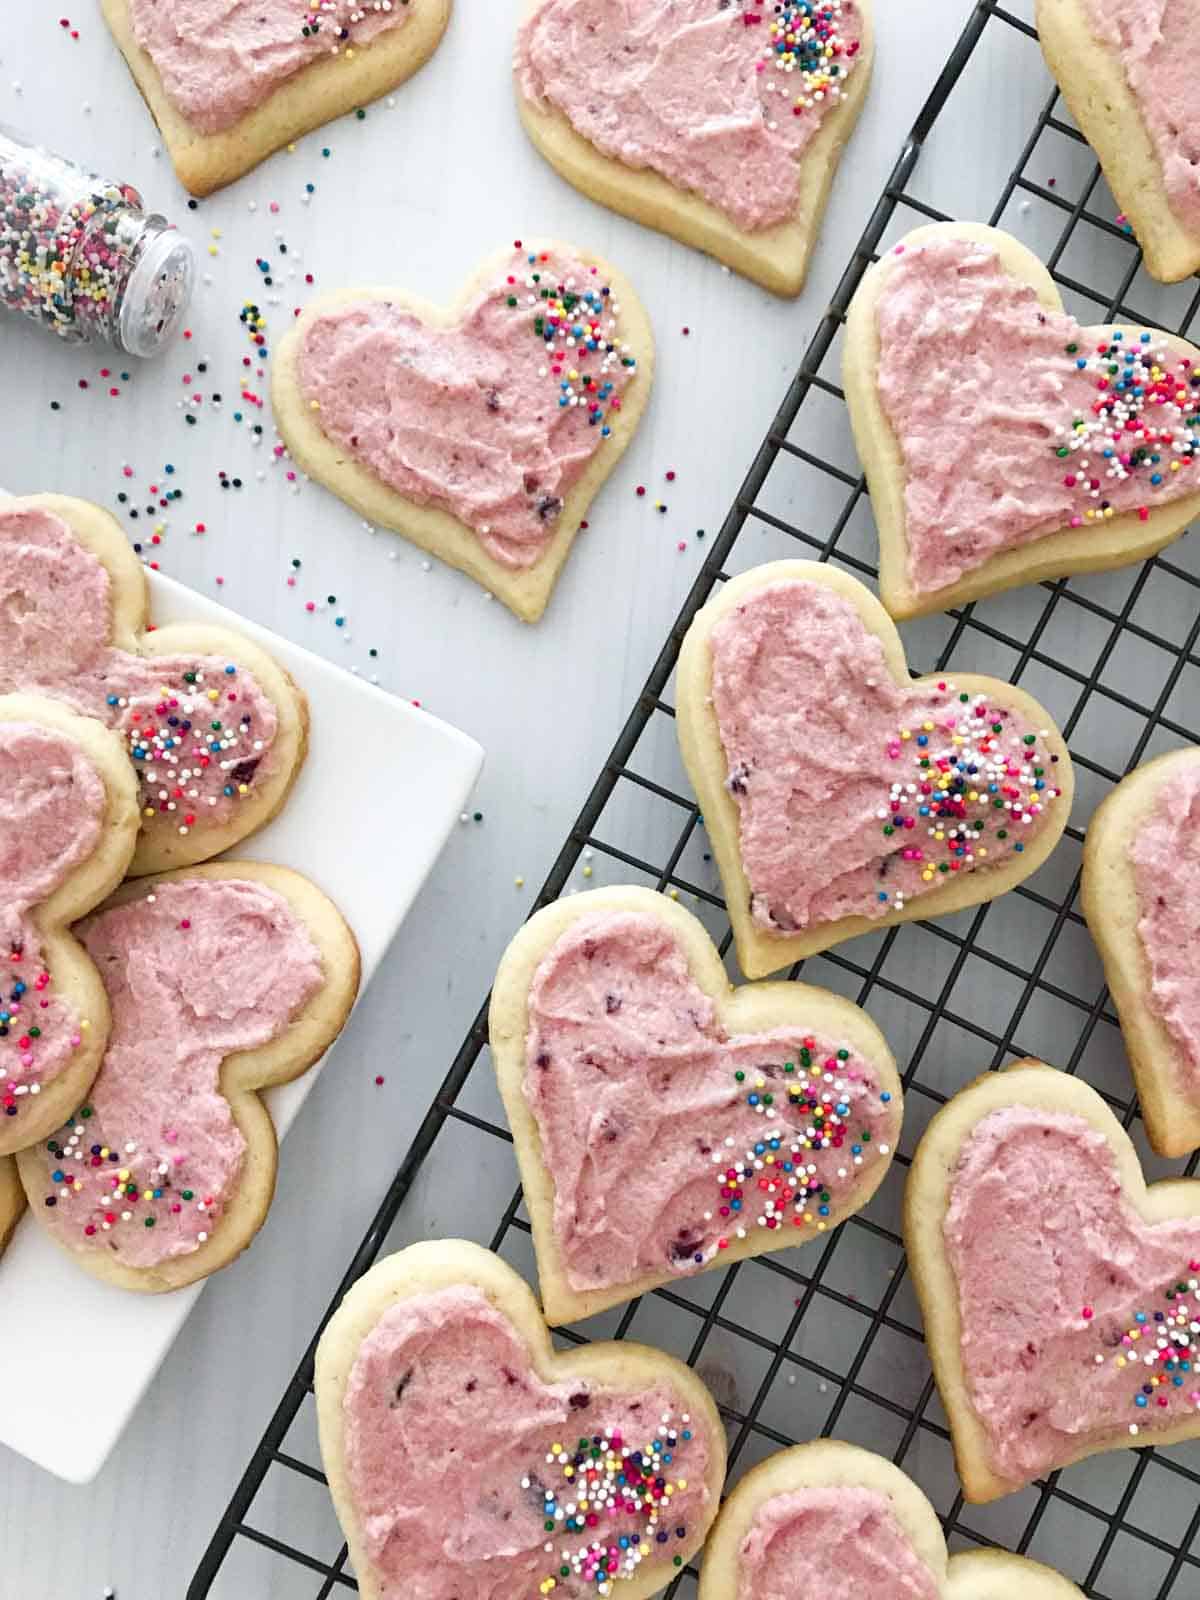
x=827, y=1339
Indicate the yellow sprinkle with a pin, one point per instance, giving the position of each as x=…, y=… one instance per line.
x=587, y=872
x=314, y=405
x=520, y=882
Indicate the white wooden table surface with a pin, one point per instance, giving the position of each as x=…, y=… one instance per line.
x=415, y=193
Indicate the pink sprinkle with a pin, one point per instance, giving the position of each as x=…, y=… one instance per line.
x=185, y=923
x=379, y=1078
x=1088, y=1313
x=310, y=605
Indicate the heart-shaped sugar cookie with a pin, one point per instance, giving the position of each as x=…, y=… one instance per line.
x=216, y=730
x=481, y=431
x=466, y=1456
x=664, y=1121
x=719, y=124
x=1141, y=897
x=1004, y=443
x=834, y=1520
x=839, y=796
x=222, y=981
x=1111, y=65
x=229, y=81
x=68, y=825
x=1061, y=1294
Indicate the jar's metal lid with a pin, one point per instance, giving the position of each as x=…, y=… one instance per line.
x=158, y=290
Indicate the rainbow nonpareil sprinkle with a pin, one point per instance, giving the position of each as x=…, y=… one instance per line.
x=1159, y=1349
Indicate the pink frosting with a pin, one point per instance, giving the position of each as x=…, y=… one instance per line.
x=52, y=808
x=1166, y=873
x=835, y=1544
x=840, y=803
x=1158, y=42
x=55, y=639
x=1054, y=1269
x=195, y=970
x=219, y=59
x=492, y=419
x=449, y=1437
x=1005, y=436
x=650, y=1137
x=625, y=74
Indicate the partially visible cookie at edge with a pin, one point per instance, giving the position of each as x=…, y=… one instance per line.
x=1141, y=898
x=221, y=113
x=1112, y=61
x=216, y=729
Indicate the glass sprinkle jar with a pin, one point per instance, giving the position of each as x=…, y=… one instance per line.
x=82, y=256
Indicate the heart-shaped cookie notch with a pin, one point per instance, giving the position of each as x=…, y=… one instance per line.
x=1060, y=1292
x=464, y=1452
x=1003, y=443
x=831, y=1518
x=839, y=795
x=1141, y=877
x=216, y=729
x=1139, y=135
x=228, y=84
x=68, y=825
x=481, y=431
x=223, y=980
x=722, y=126
x=664, y=1121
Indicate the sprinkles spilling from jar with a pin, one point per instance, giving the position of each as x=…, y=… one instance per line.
x=1143, y=422
x=604, y=1480
x=1161, y=1349
x=969, y=772
x=774, y=1177
x=118, y=1189
x=577, y=325
x=804, y=41
x=179, y=744
x=26, y=1009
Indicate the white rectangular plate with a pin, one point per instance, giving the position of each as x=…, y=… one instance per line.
x=363, y=744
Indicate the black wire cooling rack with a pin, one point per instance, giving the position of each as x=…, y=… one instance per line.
x=826, y=1339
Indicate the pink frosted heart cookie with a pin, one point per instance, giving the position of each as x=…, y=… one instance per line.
x=839, y=795
x=215, y=729
x=1004, y=443
x=480, y=431
x=229, y=81
x=68, y=824
x=721, y=124
x=1129, y=74
x=664, y=1121
x=1141, y=896
x=223, y=980
x=1060, y=1293
x=469, y=1460
x=828, y=1519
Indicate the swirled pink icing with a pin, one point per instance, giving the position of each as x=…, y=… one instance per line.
x=1013, y=421
x=720, y=99
x=219, y=59
x=856, y=794
x=492, y=419
x=839, y=1543
x=196, y=970
x=648, y=1134
x=1158, y=43
x=451, y=1441
x=1074, y=1309
x=1166, y=870
x=52, y=808
x=199, y=729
